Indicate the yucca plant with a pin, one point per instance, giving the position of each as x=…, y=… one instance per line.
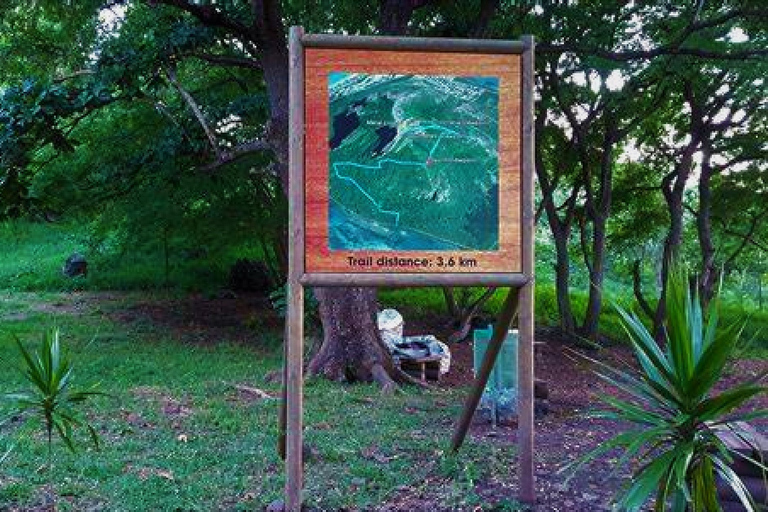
x=673, y=411
x=50, y=399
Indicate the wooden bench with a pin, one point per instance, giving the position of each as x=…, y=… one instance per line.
x=421, y=368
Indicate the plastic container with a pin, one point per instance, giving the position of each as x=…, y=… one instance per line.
x=500, y=395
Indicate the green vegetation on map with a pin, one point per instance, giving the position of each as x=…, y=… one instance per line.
x=413, y=162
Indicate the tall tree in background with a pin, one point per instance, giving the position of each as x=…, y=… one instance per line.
x=591, y=123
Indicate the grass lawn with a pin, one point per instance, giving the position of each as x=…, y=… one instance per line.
x=178, y=434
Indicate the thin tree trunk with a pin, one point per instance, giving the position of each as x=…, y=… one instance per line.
x=708, y=276
x=673, y=188
x=599, y=211
x=562, y=282
x=560, y=229
x=671, y=248
x=673, y=194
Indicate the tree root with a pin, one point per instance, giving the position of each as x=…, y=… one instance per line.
x=382, y=377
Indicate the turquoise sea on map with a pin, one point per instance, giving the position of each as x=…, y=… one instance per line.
x=413, y=162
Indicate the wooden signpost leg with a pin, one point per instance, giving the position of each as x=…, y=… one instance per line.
x=294, y=464
x=525, y=359
x=500, y=328
x=525, y=379
x=294, y=332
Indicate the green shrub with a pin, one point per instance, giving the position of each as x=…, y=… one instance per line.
x=673, y=409
x=50, y=400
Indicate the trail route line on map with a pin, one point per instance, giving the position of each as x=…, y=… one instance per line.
x=424, y=165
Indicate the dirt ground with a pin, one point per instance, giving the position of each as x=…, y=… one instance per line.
x=562, y=434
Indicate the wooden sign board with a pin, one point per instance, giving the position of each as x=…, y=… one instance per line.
x=412, y=164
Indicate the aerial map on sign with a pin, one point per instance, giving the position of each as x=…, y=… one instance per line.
x=413, y=162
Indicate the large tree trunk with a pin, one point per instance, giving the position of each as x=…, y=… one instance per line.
x=352, y=350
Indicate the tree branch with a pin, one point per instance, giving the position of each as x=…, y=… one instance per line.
x=227, y=60
x=468, y=314
x=228, y=156
x=745, y=238
x=190, y=101
x=675, y=47
x=488, y=9
x=624, y=56
x=209, y=16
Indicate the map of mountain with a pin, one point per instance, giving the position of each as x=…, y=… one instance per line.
x=413, y=162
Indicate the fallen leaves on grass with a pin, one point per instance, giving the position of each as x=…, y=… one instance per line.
x=372, y=453
x=144, y=473
x=135, y=419
x=175, y=409
x=253, y=392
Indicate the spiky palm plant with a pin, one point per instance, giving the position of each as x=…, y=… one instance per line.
x=673, y=410
x=50, y=399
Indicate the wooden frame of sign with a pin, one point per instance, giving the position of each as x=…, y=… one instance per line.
x=360, y=220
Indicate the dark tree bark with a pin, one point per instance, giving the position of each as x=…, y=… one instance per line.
x=715, y=139
x=394, y=15
x=596, y=169
x=563, y=278
x=673, y=187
